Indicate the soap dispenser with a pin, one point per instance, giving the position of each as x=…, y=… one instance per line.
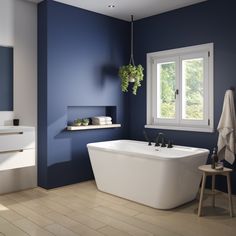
x=214, y=159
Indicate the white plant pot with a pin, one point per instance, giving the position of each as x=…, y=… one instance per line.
x=131, y=80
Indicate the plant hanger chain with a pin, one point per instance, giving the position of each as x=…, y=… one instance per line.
x=131, y=61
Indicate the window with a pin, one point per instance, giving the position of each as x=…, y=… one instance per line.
x=180, y=89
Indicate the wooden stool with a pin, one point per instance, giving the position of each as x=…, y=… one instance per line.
x=207, y=170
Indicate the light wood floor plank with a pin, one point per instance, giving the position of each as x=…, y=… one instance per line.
x=72, y=224
x=117, y=224
x=31, y=215
x=110, y=231
x=123, y=210
x=148, y=227
x=59, y=230
x=193, y=227
x=55, y=206
x=35, y=206
x=74, y=202
x=61, y=219
x=8, y=229
x=80, y=209
x=88, y=221
x=84, y=230
x=6, y=201
x=31, y=228
x=10, y=215
x=103, y=197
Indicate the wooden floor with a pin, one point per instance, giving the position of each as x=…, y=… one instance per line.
x=82, y=210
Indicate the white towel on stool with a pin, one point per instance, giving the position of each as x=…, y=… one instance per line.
x=227, y=129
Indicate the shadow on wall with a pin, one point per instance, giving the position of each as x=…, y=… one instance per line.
x=109, y=71
x=69, y=161
x=62, y=174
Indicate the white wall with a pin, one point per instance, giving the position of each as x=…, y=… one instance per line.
x=18, y=28
x=6, y=39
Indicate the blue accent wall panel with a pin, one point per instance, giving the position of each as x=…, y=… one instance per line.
x=42, y=94
x=79, y=56
x=6, y=78
x=207, y=22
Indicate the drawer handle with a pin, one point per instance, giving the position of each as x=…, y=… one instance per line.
x=10, y=133
x=10, y=151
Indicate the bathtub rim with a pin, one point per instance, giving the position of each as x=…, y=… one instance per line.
x=93, y=146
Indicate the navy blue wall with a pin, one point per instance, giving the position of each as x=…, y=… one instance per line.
x=207, y=22
x=79, y=56
x=42, y=94
x=6, y=78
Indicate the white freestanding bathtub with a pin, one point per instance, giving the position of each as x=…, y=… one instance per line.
x=162, y=178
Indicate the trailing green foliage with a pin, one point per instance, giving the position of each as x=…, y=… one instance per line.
x=128, y=72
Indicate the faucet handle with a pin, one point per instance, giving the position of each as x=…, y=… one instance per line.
x=157, y=144
x=170, y=144
x=147, y=139
x=163, y=144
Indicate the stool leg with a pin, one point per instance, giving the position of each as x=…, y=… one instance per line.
x=229, y=194
x=201, y=194
x=213, y=190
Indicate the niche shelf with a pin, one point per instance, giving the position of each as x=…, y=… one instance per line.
x=74, y=112
x=73, y=128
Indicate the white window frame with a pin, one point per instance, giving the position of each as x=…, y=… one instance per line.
x=155, y=87
x=178, y=55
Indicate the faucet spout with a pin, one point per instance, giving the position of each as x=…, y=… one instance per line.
x=157, y=144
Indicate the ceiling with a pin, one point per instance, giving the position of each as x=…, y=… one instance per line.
x=124, y=8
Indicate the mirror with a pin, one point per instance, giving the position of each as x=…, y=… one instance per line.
x=6, y=78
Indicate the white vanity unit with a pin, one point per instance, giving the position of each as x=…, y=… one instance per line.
x=17, y=147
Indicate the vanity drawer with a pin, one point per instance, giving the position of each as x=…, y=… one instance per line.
x=17, y=159
x=17, y=140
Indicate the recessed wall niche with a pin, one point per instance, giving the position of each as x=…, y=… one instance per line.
x=75, y=112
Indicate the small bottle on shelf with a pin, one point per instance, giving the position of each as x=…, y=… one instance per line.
x=214, y=159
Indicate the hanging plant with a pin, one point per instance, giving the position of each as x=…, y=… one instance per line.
x=131, y=73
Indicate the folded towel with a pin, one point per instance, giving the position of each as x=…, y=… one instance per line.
x=101, y=122
x=101, y=118
x=227, y=129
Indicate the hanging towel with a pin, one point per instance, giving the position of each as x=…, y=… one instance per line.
x=227, y=129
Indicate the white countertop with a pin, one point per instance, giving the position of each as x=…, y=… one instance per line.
x=9, y=129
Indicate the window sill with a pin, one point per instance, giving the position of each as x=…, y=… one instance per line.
x=181, y=128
